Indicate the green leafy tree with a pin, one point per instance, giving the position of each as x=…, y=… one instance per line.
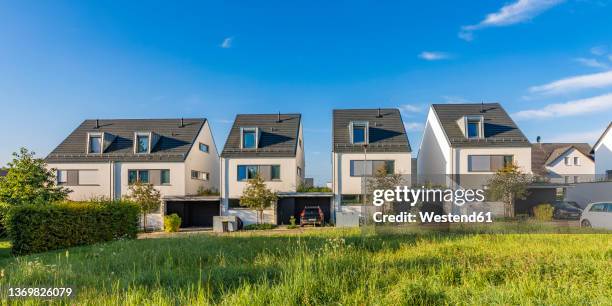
x=257, y=196
x=147, y=198
x=507, y=185
x=29, y=181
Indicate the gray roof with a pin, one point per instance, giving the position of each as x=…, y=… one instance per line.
x=276, y=138
x=174, y=142
x=499, y=129
x=386, y=132
x=544, y=153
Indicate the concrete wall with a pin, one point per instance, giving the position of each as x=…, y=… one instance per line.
x=433, y=161
x=467, y=179
x=300, y=158
x=603, y=155
x=558, y=170
x=585, y=193
x=249, y=216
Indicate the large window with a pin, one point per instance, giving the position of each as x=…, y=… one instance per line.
x=142, y=143
x=249, y=138
x=267, y=172
x=164, y=177
x=372, y=167
x=95, y=144
x=359, y=132
x=488, y=163
x=138, y=175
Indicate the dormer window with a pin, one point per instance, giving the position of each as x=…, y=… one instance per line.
x=249, y=138
x=95, y=144
x=474, y=127
x=359, y=132
x=142, y=143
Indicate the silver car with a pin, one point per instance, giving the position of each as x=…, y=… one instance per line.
x=597, y=214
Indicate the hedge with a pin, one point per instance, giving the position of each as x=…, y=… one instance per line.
x=40, y=228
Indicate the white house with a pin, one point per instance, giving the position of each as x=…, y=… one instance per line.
x=602, y=151
x=366, y=141
x=269, y=145
x=566, y=163
x=463, y=144
x=102, y=158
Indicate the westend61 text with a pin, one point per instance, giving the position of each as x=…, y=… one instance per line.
x=429, y=217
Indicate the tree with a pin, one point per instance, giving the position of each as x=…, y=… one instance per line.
x=382, y=180
x=257, y=196
x=147, y=198
x=29, y=181
x=507, y=185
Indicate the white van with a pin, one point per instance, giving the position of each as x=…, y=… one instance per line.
x=597, y=214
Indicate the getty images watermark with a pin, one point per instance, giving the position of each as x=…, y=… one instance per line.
x=410, y=196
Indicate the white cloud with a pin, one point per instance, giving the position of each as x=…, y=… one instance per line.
x=414, y=126
x=588, y=136
x=576, y=83
x=455, y=100
x=227, y=43
x=509, y=14
x=592, y=62
x=434, y=55
x=598, y=50
x=572, y=108
x=409, y=108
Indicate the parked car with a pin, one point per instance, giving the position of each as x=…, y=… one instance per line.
x=311, y=215
x=597, y=215
x=566, y=210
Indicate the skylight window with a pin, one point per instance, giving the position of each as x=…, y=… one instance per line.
x=142, y=143
x=95, y=144
x=249, y=138
x=359, y=132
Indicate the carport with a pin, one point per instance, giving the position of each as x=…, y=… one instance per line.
x=292, y=203
x=195, y=211
x=538, y=193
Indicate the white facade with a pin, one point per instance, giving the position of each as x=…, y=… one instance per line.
x=232, y=187
x=602, y=151
x=571, y=167
x=345, y=184
x=110, y=179
x=439, y=163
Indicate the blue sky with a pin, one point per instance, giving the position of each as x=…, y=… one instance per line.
x=548, y=62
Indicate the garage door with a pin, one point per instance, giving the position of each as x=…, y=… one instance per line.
x=194, y=213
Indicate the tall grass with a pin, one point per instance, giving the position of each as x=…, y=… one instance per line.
x=328, y=267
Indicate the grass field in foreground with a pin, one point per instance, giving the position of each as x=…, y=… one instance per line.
x=330, y=266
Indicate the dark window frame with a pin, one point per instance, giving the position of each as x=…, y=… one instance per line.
x=138, y=176
x=257, y=170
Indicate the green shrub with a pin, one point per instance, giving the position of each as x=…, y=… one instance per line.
x=263, y=226
x=172, y=223
x=39, y=228
x=543, y=212
x=292, y=224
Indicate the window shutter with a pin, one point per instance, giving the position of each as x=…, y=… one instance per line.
x=73, y=178
x=265, y=172
x=155, y=177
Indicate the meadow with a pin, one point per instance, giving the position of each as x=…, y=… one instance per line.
x=326, y=266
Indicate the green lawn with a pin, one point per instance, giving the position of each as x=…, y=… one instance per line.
x=329, y=266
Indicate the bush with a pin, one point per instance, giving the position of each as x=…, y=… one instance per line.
x=292, y=224
x=172, y=223
x=263, y=226
x=39, y=228
x=543, y=212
